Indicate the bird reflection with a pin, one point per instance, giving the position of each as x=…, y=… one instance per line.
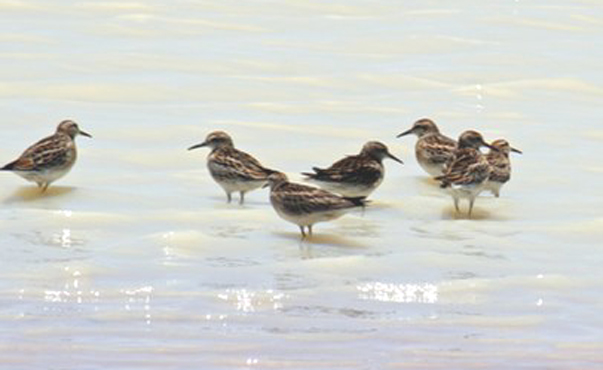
x=30, y=193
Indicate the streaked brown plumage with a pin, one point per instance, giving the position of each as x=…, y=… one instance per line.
x=467, y=172
x=306, y=205
x=500, y=165
x=50, y=158
x=355, y=175
x=433, y=150
x=232, y=169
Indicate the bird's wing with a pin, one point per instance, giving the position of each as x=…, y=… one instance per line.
x=351, y=169
x=45, y=153
x=440, y=149
x=298, y=198
x=466, y=167
x=500, y=167
x=239, y=164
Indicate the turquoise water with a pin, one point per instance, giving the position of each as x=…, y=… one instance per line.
x=135, y=261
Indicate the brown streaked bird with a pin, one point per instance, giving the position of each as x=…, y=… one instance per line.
x=355, y=175
x=433, y=150
x=500, y=165
x=50, y=158
x=306, y=205
x=467, y=172
x=232, y=169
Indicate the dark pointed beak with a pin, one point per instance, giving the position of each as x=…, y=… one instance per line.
x=390, y=155
x=516, y=150
x=490, y=146
x=267, y=184
x=409, y=131
x=85, y=134
x=198, y=146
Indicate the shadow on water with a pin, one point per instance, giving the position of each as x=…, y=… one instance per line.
x=449, y=213
x=331, y=240
x=32, y=193
x=427, y=186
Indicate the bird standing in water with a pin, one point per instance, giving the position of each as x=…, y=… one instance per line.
x=500, y=165
x=355, y=175
x=232, y=169
x=468, y=170
x=433, y=150
x=50, y=158
x=306, y=205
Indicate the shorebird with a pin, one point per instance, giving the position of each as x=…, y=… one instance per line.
x=468, y=170
x=355, y=175
x=306, y=205
x=500, y=165
x=50, y=158
x=433, y=150
x=232, y=169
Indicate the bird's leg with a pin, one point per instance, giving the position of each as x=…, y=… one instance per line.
x=303, y=232
x=496, y=193
x=242, y=198
x=456, y=204
x=471, y=201
x=228, y=197
x=45, y=186
x=310, y=230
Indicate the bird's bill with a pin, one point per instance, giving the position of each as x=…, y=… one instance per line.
x=516, y=150
x=409, y=131
x=83, y=133
x=267, y=184
x=198, y=146
x=490, y=146
x=390, y=155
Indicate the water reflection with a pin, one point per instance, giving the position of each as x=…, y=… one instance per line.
x=32, y=193
x=63, y=239
x=72, y=291
x=251, y=301
x=136, y=297
x=398, y=293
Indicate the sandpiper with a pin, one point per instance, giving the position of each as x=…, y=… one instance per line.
x=355, y=175
x=306, y=205
x=232, y=169
x=433, y=150
x=467, y=172
x=500, y=165
x=50, y=158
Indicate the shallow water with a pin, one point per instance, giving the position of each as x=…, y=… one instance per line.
x=134, y=260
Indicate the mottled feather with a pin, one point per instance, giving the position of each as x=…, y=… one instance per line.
x=53, y=151
x=435, y=148
x=302, y=199
x=351, y=169
x=500, y=166
x=468, y=166
x=228, y=162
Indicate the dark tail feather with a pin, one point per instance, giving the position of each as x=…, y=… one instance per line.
x=309, y=175
x=316, y=175
x=358, y=201
x=9, y=167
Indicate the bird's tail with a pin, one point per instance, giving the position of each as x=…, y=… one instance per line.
x=9, y=167
x=358, y=201
x=316, y=175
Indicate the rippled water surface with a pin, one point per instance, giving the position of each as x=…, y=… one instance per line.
x=135, y=261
